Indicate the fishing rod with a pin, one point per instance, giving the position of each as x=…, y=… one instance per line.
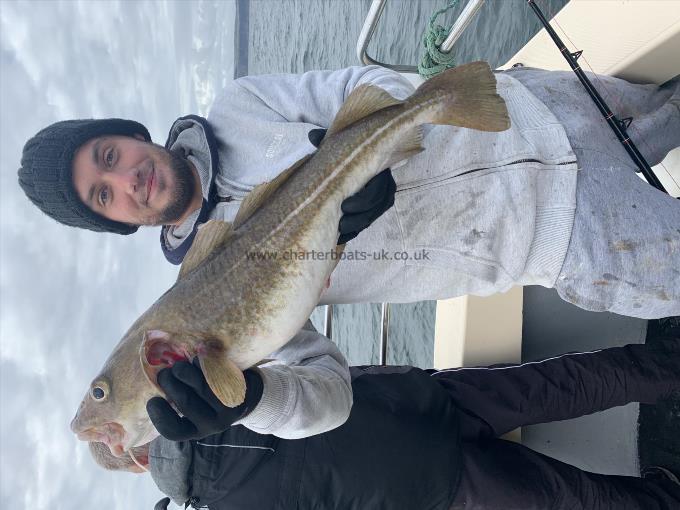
x=618, y=126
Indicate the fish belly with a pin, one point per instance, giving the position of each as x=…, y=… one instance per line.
x=299, y=274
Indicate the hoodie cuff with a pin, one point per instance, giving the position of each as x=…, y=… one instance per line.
x=273, y=404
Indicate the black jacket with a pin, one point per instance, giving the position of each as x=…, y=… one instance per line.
x=399, y=449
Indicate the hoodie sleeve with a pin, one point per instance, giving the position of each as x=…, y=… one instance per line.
x=307, y=389
x=314, y=97
x=311, y=98
x=263, y=122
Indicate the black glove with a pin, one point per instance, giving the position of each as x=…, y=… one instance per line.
x=316, y=135
x=365, y=206
x=162, y=504
x=204, y=414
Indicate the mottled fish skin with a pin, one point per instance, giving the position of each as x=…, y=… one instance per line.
x=248, y=307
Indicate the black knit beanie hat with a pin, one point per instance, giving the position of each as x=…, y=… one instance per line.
x=46, y=173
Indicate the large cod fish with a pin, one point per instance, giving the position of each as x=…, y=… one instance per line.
x=242, y=292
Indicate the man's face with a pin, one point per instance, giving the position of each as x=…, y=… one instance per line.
x=132, y=181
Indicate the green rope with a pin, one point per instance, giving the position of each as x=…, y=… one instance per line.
x=434, y=61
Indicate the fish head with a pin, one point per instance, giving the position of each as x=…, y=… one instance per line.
x=113, y=410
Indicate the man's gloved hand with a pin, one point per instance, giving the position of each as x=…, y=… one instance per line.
x=204, y=414
x=365, y=206
x=316, y=135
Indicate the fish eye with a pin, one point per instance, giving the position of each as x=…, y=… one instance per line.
x=99, y=390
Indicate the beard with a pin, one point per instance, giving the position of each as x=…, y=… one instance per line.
x=182, y=192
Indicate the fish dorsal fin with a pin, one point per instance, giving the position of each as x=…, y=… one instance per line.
x=363, y=101
x=262, y=192
x=210, y=235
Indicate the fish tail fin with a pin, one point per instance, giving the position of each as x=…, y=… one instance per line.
x=466, y=97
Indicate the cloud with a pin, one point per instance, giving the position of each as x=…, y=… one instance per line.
x=68, y=295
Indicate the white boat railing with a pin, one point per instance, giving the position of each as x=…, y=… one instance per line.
x=384, y=331
x=384, y=328
x=328, y=321
x=462, y=22
x=376, y=10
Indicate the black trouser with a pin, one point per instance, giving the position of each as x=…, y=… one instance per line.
x=499, y=474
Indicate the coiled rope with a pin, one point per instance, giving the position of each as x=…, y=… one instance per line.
x=434, y=61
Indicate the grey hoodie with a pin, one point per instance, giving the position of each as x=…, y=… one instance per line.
x=475, y=213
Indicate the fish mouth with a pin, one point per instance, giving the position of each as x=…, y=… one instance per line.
x=111, y=434
x=114, y=436
x=140, y=457
x=129, y=443
x=117, y=450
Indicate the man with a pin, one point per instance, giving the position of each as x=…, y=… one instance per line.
x=552, y=201
x=414, y=439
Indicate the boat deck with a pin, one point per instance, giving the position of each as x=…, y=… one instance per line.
x=618, y=441
x=604, y=442
x=641, y=43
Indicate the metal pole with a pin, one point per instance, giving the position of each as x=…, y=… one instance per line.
x=618, y=126
x=371, y=21
x=461, y=24
x=384, y=331
x=374, y=13
x=328, y=321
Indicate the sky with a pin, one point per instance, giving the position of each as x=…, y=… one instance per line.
x=67, y=295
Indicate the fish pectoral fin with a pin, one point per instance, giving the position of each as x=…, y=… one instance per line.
x=224, y=378
x=209, y=237
x=262, y=192
x=409, y=145
x=362, y=102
